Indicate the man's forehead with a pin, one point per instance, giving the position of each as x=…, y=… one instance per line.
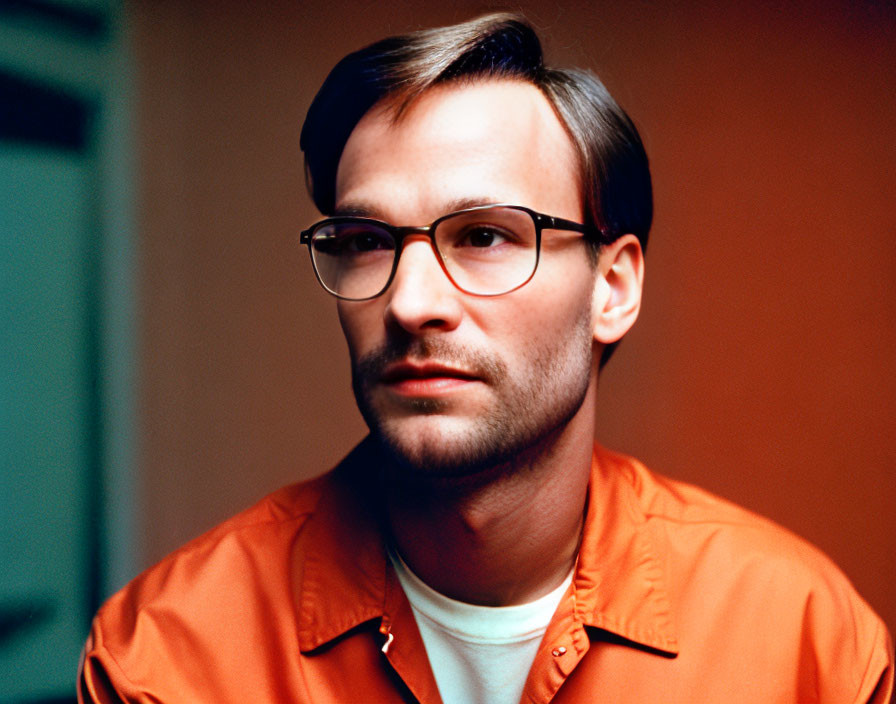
x=459, y=144
x=463, y=113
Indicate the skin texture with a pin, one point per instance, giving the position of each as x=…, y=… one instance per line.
x=485, y=405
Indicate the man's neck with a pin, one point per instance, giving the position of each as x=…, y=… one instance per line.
x=507, y=541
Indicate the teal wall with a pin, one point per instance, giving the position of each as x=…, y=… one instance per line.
x=66, y=334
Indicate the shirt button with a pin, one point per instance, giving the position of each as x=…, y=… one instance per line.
x=557, y=652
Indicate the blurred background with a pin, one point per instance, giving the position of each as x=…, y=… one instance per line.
x=166, y=357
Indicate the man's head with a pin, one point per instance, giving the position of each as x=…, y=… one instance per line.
x=414, y=128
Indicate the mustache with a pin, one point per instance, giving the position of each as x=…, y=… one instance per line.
x=372, y=366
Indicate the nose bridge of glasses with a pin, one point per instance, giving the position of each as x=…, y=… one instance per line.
x=410, y=233
x=406, y=236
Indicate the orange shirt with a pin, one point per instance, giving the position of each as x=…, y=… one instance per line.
x=678, y=597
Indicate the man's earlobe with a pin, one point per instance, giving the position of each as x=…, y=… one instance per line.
x=617, y=290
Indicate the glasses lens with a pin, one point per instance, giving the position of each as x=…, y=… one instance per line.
x=488, y=251
x=353, y=259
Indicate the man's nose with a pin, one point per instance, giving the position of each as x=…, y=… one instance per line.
x=421, y=296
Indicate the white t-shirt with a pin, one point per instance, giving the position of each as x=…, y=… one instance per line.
x=478, y=654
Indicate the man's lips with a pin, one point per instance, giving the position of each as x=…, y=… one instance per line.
x=401, y=371
x=427, y=378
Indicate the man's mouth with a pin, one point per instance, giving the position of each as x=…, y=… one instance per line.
x=409, y=378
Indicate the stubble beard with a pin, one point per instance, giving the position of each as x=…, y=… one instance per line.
x=523, y=419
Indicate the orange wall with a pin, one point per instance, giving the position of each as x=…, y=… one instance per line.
x=762, y=366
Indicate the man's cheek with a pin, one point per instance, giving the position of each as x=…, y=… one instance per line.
x=359, y=338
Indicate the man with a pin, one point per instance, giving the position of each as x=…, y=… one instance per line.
x=488, y=217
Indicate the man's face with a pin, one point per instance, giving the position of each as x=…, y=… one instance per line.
x=454, y=383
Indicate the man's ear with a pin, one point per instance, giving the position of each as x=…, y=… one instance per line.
x=617, y=289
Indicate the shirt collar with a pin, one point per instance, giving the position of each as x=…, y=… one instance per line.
x=342, y=567
x=619, y=582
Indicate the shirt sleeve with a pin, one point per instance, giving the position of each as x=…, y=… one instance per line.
x=877, y=685
x=100, y=680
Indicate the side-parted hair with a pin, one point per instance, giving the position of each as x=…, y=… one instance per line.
x=614, y=172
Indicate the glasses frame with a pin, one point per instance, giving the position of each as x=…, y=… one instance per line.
x=401, y=233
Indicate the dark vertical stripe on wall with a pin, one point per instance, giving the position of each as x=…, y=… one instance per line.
x=81, y=22
x=40, y=114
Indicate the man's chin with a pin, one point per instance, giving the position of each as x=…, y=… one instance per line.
x=462, y=455
x=431, y=448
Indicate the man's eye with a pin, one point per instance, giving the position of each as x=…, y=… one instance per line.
x=366, y=242
x=346, y=242
x=483, y=236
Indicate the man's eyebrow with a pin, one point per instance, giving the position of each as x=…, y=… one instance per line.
x=464, y=203
x=357, y=210
x=361, y=209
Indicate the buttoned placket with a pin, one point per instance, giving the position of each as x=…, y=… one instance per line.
x=403, y=645
x=563, y=647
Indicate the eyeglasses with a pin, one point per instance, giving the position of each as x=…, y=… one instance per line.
x=488, y=250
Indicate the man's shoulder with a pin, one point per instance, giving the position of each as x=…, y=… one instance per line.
x=185, y=621
x=709, y=545
x=256, y=535
x=730, y=571
x=686, y=512
x=225, y=562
